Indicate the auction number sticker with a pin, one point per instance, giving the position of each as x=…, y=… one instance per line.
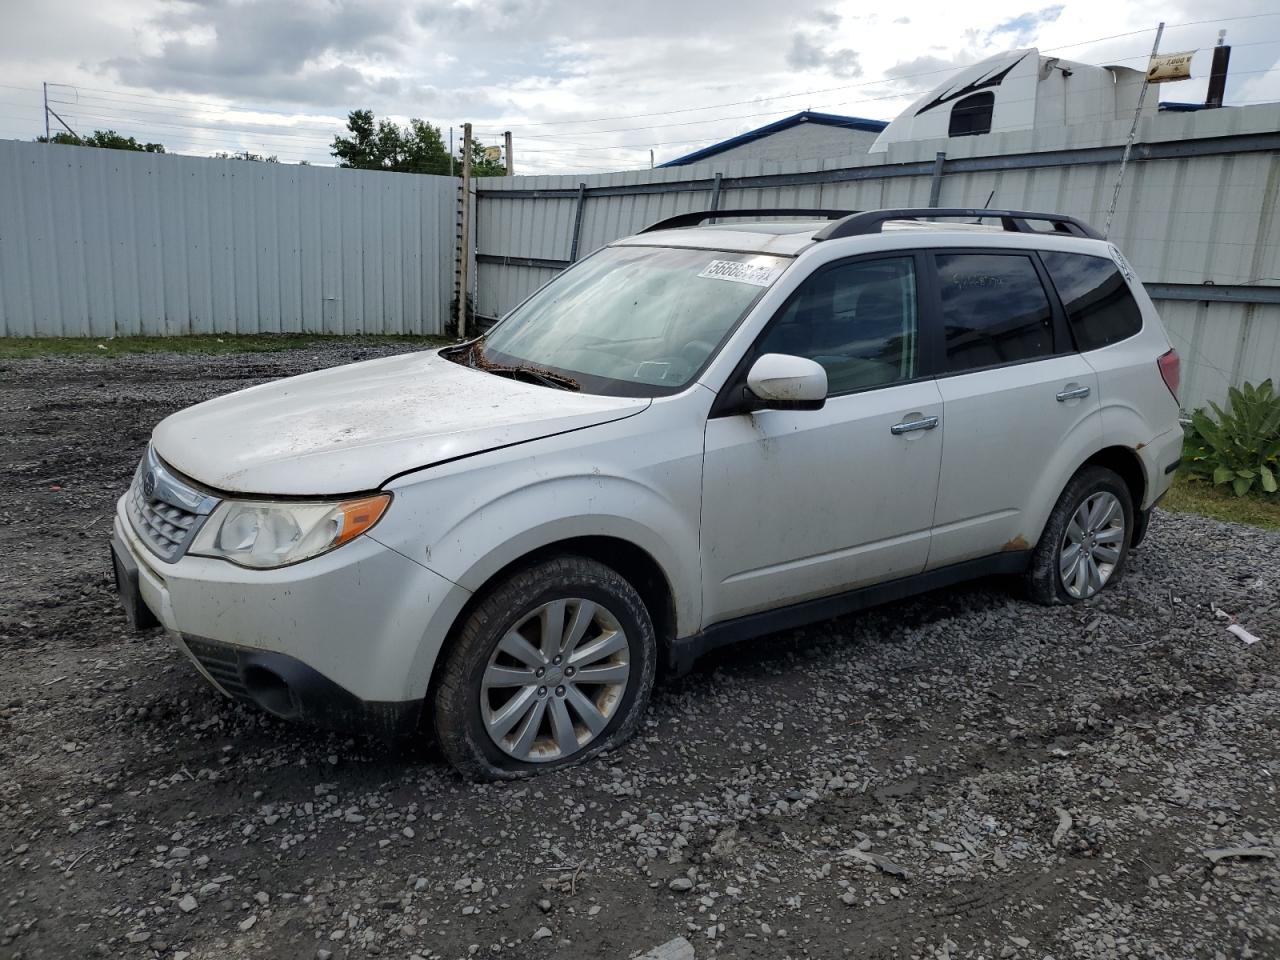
x=740, y=272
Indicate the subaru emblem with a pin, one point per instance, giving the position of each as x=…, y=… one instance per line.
x=149, y=485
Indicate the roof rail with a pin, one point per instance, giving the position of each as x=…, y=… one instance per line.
x=696, y=217
x=1014, y=221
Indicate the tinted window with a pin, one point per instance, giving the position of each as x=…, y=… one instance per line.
x=1100, y=308
x=994, y=310
x=972, y=115
x=858, y=320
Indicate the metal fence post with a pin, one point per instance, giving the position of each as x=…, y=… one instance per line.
x=577, y=222
x=464, y=233
x=935, y=185
x=715, y=195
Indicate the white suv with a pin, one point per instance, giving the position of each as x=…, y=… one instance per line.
x=698, y=434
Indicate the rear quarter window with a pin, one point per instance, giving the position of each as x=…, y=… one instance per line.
x=1100, y=307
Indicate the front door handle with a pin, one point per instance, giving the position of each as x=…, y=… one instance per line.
x=909, y=426
x=1072, y=393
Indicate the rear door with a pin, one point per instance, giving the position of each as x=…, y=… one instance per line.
x=1021, y=405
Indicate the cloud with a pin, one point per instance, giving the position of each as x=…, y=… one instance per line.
x=312, y=54
x=1021, y=30
x=805, y=54
x=294, y=68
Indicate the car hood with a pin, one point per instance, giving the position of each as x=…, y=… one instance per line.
x=351, y=428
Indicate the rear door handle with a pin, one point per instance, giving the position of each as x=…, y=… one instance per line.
x=909, y=426
x=1075, y=393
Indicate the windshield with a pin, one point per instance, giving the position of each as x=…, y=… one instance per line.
x=632, y=321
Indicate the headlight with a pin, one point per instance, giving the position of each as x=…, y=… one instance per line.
x=264, y=534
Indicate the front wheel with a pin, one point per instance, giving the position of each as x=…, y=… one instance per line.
x=553, y=666
x=1086, y=541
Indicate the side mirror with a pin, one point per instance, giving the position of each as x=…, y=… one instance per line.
x=779, y=381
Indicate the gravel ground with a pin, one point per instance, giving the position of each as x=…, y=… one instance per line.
x=959, y=775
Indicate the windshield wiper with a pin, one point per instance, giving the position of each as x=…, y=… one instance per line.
x=534, y=374
x=475, y=358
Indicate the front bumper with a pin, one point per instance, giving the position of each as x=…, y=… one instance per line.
x=288, y=688
x=349, y=637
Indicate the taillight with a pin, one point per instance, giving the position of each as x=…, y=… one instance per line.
x=1171, y=371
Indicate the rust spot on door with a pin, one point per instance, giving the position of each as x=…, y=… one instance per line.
x=1017, y=543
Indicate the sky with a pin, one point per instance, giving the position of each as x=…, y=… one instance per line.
x=583, y=86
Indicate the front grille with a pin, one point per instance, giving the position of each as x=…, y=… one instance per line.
x=165, y=510
x=221, y=662
x=166, y=528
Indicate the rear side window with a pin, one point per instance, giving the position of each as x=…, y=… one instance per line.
x=1099, y=305
x=994, y=310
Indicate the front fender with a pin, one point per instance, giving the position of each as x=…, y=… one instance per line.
x=639, y=481
x=499, y=533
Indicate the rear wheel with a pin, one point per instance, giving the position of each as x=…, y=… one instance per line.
x=1086, y=541
x=554, y=666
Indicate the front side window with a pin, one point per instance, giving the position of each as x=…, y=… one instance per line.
x=1100, y=307
x=630, y=320
x=994, y=310
x=858, y=320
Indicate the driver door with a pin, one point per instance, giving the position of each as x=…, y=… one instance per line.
x=798, y=504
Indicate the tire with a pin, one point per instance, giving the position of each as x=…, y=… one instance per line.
x=1055, y=575
x=493, y=689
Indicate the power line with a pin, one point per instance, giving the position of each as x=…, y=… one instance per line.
x=641, y=146
x=119, y=106
x=866, y=83
x=770, y=113
x=231, y=107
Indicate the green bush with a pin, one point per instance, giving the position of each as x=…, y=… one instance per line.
x=1241, y=445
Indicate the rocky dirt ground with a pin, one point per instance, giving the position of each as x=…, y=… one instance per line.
x=960, y=775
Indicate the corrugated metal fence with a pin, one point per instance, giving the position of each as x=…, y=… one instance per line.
x=107, y=242
x=1198, y=216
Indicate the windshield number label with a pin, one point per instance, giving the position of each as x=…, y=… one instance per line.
x=740, y=272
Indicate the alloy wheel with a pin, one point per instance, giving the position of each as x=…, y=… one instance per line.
x=1092, y=545
x=555, y=680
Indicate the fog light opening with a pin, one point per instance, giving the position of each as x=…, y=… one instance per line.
x=270, y=691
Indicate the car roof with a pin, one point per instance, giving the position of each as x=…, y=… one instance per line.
x=788, y=238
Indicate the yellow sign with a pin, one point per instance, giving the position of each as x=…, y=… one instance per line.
x=1166, y=67
x=493, y=153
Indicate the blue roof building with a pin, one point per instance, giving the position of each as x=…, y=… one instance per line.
x=807, y=135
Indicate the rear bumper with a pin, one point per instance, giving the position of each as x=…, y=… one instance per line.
x=1160, y=461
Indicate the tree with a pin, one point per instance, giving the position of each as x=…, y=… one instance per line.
x=485, y=165
x=107, y=139
x=246, y=155
x=417, y=148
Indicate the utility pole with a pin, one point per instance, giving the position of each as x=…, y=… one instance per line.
x=511, y=166
x=464, y=232
x=46, y=111
x=1133, y=132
